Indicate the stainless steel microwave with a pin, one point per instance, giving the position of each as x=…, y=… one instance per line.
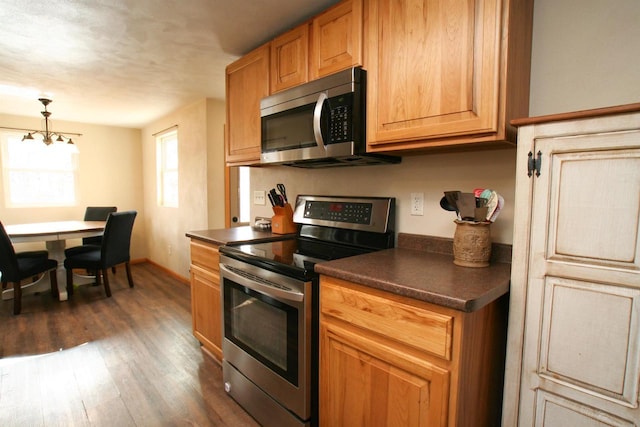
x=319, y=124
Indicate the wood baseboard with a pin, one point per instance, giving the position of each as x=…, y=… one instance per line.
x=182, y=279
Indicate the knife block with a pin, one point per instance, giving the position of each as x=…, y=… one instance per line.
x=282, y=221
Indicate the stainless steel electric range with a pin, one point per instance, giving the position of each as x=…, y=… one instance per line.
x=270, y=304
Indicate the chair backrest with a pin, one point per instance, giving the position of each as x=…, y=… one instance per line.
x=116, y=240
x=8, y=259
x=98, y=213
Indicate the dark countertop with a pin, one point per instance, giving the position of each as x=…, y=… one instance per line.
x=424, y=275
x=236, y=235
x=421, y=267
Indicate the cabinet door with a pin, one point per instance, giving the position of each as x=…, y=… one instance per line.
x=581, y=355
x=205, y=308
x=366, y=383
x=247, y=83
x=336, y=41
x=432, y=69
x=290, y=58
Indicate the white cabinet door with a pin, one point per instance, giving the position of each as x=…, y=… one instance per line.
x=581, y=275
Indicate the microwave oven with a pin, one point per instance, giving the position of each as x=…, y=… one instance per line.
x=319, y=124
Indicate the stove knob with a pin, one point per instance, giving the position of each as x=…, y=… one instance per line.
x=227, y=386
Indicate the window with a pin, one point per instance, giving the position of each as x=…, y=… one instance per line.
x=239, y=203
x=36, y=174
x=244, y=198
x=167, y=168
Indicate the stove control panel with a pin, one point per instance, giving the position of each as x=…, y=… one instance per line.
x=355, y=213
x=363, y=213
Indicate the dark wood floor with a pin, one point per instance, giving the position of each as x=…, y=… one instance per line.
x=129, y=360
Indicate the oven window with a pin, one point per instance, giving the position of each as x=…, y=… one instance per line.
x=265, y=328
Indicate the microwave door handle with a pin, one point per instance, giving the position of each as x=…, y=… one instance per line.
x=317, y=113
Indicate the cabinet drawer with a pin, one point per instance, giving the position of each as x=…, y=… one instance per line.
x=396, y=318
x=205, y=255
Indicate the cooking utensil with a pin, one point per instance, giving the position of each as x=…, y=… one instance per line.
x=444, y=204
x=271, y=199
x=492, y=203
x=498, y=208
x=467, y=206
x=481, y=213
x=452, y=198
x=283, y=192
x=277, y=198
x=480, y=202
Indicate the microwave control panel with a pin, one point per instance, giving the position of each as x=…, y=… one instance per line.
x=340, y=122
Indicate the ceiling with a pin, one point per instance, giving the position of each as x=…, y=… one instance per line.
x=129, y=62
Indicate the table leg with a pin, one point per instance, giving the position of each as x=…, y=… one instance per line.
x=56, y=251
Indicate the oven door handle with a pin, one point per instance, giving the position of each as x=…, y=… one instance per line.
x=268, y=290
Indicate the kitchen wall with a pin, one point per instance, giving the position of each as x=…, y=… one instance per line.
x=200, y=187
x=430, y=175
x=585, y=55
x=108, y=175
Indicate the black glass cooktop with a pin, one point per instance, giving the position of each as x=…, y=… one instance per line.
x=293, y=257
x=329, y=227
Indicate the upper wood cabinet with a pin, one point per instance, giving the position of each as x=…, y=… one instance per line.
x=289, y=59
x=446, y=73
x=247, y=83
x=336, y=39
x=331, y=42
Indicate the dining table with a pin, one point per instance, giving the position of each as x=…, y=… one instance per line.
x=54, y=234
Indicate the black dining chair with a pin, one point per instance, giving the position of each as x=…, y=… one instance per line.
x=114, y=250
x=16, y=267
x=96, y=213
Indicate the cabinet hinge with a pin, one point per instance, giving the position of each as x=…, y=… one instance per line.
x=534, y=163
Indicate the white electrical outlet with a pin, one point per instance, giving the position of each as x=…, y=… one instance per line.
x=417, y=204
x=259, y=198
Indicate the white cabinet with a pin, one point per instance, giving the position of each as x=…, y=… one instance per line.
x=573, y=356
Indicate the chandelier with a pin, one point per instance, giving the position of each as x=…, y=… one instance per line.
x=48, y=136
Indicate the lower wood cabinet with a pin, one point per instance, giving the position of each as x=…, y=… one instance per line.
x=205, y=296
x=368, y=382
x=390, y=360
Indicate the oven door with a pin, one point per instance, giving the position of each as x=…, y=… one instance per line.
x=267, y=331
